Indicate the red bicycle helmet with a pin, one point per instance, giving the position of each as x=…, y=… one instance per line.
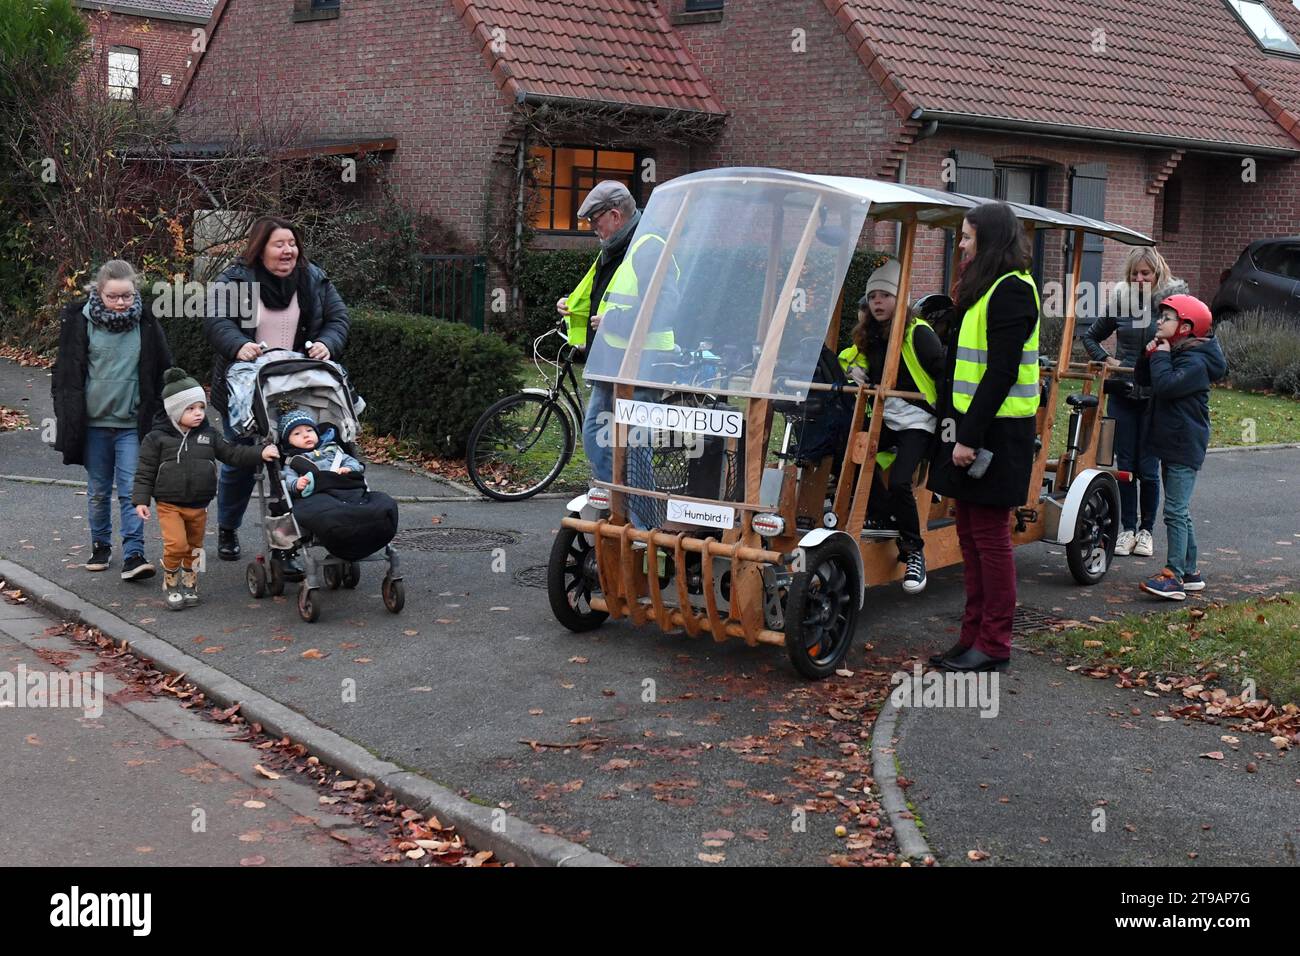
x=1193, y=310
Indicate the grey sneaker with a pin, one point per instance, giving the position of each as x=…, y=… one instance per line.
x=190, y=587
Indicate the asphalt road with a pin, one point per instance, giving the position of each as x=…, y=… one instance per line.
x=690, y=736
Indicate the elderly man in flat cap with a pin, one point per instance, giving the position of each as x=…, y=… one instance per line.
x=614, y=283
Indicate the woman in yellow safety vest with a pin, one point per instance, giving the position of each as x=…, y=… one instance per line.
x=989, y=400
x=908, y=427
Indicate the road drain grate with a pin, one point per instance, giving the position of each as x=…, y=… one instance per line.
x=534, y=577
x=453, y=539
x=1030, y=620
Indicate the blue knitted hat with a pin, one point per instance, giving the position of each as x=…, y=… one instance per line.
x=291, y=420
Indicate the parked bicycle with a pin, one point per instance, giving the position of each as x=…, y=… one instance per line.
x=520, y=445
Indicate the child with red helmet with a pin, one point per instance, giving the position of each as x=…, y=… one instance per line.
x=1179, y=365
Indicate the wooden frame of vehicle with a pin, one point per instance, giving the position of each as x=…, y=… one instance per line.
x=799, y=579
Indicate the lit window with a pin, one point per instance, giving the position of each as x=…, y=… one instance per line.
x=564, y=175
x=123, y=72
x=1268, y=33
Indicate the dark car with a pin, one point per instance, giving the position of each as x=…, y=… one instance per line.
x=1265, y=277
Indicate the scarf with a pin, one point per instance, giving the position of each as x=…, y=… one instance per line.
x=277, y=291
x=108, y=320
x=607, y=246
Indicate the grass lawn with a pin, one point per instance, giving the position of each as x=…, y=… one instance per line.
x=1257, y=639
x=1236, y=418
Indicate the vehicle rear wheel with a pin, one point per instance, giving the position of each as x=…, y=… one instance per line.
x=333, y=577
x=275, y=587
x=822, y=609
x=351, y=575
x=570, y=579
x=519, y=446
x=1096, y=529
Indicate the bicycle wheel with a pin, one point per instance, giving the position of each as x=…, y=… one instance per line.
x=519, y=446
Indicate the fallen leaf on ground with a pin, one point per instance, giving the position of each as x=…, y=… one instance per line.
x=1214, y=755
x=313, y=654
x=268, y=774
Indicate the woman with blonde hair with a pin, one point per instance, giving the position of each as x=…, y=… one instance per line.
x=1128, y=316
x=107, y=387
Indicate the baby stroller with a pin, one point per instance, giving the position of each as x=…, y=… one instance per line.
x=283, y=382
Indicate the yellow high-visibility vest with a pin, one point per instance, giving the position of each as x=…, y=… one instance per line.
x=972, y=358
x=851, y=357
x=622, y=294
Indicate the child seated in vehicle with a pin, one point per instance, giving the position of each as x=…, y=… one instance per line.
x=909, y=424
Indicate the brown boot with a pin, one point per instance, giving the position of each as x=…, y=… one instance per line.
x=172, y=589
x=190, y=587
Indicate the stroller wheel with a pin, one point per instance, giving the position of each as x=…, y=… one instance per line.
x=255, y=577
x=276, y=585
x=394, y=594
x=333, y=577
x=352, y=575
x=308, y=605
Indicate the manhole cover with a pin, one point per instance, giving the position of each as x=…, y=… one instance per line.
x=1030, y=620
x=454, y=539
x=534, y=577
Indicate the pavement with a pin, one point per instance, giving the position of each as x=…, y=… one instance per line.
x=660, y=749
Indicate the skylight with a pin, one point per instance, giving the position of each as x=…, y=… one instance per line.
x=1268, y=33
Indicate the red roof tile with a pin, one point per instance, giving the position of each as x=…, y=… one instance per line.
x=622, y=51
x=1170, y=68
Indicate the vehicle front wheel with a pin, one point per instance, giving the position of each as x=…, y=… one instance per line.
x=822, y=608
x=308, y=604
x=570, y=580
x=1096, y=529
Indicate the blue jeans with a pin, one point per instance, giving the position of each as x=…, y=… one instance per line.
x=111, y=455
x=598, y=443
x=1179, y=482
x=234, y=485
x=1131, y=456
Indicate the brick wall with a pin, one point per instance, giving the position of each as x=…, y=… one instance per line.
x=412, y=71
x=164, y=47
x=1239, y=212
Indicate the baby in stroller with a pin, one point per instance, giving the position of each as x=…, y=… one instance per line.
x=317, y=505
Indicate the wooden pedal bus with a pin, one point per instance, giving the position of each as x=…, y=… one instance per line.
x=712, y=524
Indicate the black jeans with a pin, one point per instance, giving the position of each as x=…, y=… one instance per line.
x=897, y=501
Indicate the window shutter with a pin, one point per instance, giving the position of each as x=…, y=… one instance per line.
x=975, y=176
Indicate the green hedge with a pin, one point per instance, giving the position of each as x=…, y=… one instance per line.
x=550, y=275
x=1263, y=351
x=422, y=379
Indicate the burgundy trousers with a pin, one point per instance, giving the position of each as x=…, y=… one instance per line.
x=990, y=577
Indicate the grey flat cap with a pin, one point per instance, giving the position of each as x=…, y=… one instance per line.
x=605, y=195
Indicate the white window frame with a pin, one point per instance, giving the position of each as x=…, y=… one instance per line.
x=1265, y=29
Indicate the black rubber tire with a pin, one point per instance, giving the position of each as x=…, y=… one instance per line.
x=821, y=612
x=333, y=577
x=568, y=587
x=1096, y=529
x=276, y=578
x=351, y=575
x=545, y=409
x=394, y=593
x=255, y=578
x=308, y=604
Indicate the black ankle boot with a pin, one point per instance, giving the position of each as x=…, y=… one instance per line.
x=228, y=544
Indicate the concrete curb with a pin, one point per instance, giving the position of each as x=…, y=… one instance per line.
x=484, y=828
x=910, y=841
x=1220, y=449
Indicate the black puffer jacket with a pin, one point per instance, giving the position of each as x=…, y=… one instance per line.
x=181, y=469
x=68, y=379
x=1134, y=332
x=328, y=323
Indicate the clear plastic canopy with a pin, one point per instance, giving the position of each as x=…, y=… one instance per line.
x=740, y=272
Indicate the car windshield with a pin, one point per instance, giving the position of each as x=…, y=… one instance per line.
x=737, y=274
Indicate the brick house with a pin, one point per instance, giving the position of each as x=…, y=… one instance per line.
x=1180, y=118
x=141, y=49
